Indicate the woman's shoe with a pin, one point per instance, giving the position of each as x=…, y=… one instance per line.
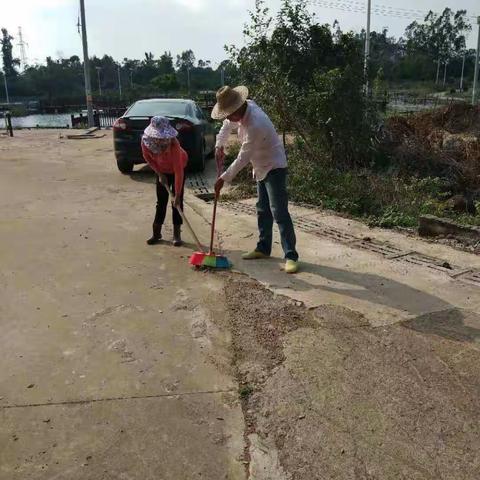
x=156, y=235
x=177, y=236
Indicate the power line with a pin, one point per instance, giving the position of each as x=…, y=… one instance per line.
x=356, y=6
x=361, y=4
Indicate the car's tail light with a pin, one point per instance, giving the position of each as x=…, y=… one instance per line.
x=120, y=125
x=183, y=126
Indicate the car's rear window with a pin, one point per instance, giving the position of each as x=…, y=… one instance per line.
x=150, y=109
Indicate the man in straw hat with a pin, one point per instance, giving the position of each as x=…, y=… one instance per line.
x=262, y=147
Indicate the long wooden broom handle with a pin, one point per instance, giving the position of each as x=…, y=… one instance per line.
x=212, y=235
x=187, y=223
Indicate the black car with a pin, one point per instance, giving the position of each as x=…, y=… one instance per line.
x=195, y=133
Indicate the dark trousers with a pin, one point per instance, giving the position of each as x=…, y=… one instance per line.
x=273, y=205
x=162, y=202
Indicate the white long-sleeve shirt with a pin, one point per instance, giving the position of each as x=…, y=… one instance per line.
x=261, y=145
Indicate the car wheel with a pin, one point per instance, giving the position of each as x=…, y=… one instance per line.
x=125, y=165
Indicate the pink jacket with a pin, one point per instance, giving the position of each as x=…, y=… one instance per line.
x=172, y=161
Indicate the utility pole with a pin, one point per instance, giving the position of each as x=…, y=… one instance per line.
x=99, y=82
x=188, y=79
x=131, y=78
x=367, y=44
x=86, y=66
x=6, y=87
x=463, y=69
x=119, y=81
x=21, y=44
x=223, y=76
x=477, y=59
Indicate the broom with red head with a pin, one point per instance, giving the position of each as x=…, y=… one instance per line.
x=201, y=258
x=210, y=259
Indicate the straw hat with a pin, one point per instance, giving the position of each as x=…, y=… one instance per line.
x=160, y=128
x=229, y=100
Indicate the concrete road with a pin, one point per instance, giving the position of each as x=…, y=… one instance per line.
x=120, y=362
x=105, y=343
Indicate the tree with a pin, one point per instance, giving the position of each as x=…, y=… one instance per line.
x=166, y=82
x=310, y=80
x=230, y=72
x=204, y=63
x=108, y=72
x=385, y=53
x=9, y=63
x=186, y=60
x=165, y=64
x=440, y=37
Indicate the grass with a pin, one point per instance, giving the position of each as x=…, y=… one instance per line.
x=245, y=391
x=378, y=198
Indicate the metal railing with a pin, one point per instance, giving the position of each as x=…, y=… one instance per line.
x=102, y=119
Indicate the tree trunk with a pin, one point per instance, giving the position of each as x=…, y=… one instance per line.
x=445, y=74
x=438, y=71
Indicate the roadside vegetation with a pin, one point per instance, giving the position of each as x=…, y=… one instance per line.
x=347, y=155
x=347, y=150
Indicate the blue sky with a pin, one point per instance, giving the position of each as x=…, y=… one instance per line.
x=128, y=28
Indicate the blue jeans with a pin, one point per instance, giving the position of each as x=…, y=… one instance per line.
x=273, y=205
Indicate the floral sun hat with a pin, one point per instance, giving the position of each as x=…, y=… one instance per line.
x=160, y=128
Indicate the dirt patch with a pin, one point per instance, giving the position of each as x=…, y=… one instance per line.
x=327, y=396
x=259, y=320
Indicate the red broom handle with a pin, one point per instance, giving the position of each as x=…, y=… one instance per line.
x=212, y=235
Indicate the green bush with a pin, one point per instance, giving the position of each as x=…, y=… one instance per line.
x=382, y=199
x=310, y=80
x=244, y=184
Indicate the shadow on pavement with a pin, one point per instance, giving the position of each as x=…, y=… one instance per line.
x=373, y=288
x=454, y=324
x=446, y=320
x=144, y=175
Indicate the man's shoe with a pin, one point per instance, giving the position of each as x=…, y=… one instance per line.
x=254, y=255
x=291, y=266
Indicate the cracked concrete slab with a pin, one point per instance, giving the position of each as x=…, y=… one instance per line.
x=112, y=364
x=330, y=396
x=168, y=438
x=384, y=291
x=375, y=378
x=103, y=325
